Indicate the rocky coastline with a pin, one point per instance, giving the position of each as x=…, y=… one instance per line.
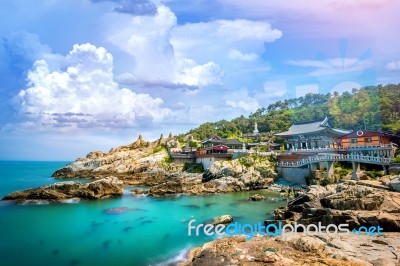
x=145, y=163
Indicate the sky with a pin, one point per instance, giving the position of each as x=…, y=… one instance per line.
x=86, y=75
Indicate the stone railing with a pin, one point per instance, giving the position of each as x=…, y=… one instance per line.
x=351, y=148
x=337, y=157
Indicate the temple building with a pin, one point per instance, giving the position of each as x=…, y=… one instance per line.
x=216, y=140
x=366, y=138
x=312, y=135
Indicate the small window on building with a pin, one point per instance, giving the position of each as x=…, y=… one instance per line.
x=367, y=140
x=353, y=140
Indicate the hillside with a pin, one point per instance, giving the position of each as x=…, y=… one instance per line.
x=372, y=108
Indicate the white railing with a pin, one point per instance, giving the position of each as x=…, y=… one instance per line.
x=351, y=148
x=337, y=157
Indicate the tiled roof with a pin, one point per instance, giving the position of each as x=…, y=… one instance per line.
x=217, y=139
x=311, y=127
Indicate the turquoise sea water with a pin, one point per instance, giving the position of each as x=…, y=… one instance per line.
x=84, y=234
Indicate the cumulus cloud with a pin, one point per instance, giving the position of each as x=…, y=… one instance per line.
x=148, y=40
x=238, y=55
x=193, y=74
x=393, y=66
x=84, y=94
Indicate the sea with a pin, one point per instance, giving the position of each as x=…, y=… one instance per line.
x=149, y=231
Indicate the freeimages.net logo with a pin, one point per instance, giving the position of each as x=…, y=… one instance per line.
x=279, y=229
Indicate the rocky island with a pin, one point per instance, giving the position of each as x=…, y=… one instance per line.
x=65, y=191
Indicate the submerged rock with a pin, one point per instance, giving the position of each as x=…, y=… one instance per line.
x=223, y=219
x=256, y=197
x=63, y=191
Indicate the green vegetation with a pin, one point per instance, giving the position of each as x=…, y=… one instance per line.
x=168, y=159
x=269, y=249
x=397, y=159
x=343, y=172
x=374, y=174
x=373, y=108
x=193, y=167
x=254, y=159
x=159, y=148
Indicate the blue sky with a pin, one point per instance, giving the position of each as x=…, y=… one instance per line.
x=83, y=75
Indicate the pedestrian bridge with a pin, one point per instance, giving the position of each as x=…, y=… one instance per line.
x=337, y=157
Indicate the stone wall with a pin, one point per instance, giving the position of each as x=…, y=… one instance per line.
x=294, y=175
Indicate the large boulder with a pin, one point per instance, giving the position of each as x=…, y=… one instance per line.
x=59, y=192
x=394, y=184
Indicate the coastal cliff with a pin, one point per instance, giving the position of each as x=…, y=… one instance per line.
x=139, y=163
x=148, y=163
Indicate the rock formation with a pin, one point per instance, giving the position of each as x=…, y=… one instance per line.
x=139, y=163
x=60, y=192
x=345, y=203
x=192, y=184
x=298, y=250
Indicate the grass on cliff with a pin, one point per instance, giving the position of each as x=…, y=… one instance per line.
x=159, y=148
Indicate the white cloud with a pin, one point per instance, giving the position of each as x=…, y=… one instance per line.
x=214, y=38
x=393, y=66
x=147, y=39
x=202, y=75
x=241, y=99
x=84, y=94
x=245, y=29
x=238, y=55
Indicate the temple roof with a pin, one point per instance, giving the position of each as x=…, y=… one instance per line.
x=311, y=127
x=219, y=140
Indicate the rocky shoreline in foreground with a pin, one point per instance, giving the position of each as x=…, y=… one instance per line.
x=345, y=203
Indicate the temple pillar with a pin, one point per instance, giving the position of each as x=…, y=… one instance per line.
x=329, y=170
x=356, y=171
x=313, y=166
x=385, y=170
